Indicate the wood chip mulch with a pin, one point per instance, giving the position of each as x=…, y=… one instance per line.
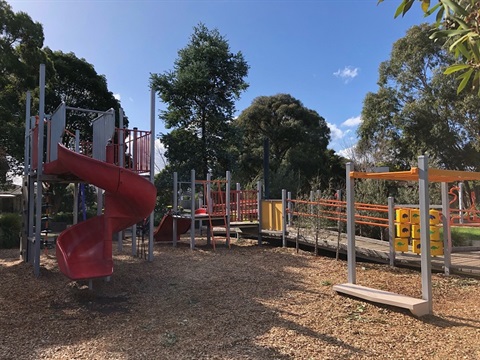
x=247, y=302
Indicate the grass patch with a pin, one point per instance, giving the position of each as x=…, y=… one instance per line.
x=463, y=235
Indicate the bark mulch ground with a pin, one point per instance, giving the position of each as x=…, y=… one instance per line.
x=247, y=302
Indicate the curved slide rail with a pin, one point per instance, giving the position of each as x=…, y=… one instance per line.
x=84, y=251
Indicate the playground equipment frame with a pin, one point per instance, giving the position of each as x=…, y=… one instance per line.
x=423, y=175
x=33, y=173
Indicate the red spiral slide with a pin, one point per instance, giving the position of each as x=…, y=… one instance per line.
x=84, y=251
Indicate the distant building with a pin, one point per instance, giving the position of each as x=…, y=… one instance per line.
x=11, y=200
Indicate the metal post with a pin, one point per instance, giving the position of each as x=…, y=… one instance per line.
x=391, y=230
x=75, y=194
x=120, y=155
x=175, y=209
x=259, y=211
x=210, y=206
x=192, y=210
x=26, y=165
x=339, y=224
x=266, y=166
x=350, y=197
x=227, y=205
x=38, y=217
x=424, y=200
x=460, y=200
x=152, y=170
x=284, y=218
x=447, y=235
x=25, y=182
x=237, y=200
x=289, y=207
x=310, y=199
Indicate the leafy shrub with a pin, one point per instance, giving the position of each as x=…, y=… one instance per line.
x=10, y=228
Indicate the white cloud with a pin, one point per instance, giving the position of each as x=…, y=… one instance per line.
x=117, y=96
x=347, y=73
x=336, y=132
x=352, y=122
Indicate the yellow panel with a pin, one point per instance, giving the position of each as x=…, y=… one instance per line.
x=436, y=248
x=401, y=244
x=434, y=217
x=434, y=233
x=403, y=230
x=402, y=215
x=416, y=246
x=415, y=216
x=415, y=231
x=272, y=215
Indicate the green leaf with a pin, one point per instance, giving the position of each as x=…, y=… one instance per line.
x=465, y=77
x=455, y=68
x=440, y=13
x=456, y=8
x=461, y=49
x=432, y=10
x=408, y=5
x=400, y=9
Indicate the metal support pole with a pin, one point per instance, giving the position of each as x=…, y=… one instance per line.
x=175, y=209
x=461, y=188
x=311, y=201
x=192, y=210
x=25, y=182
x=289, y=207
x=152, y=170
x=424, y=200
x=227, y=205
x=237, y=200
x=75, y=194
x=259, y=211
x=350, y=197
x=120, y=164
x=26, y=166
x=38, y=217
x=284, y=218
x=391, y=230
x=447, y=235
x=210, y=206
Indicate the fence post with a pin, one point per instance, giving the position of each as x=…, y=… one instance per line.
x=175, y=209
x=259, y=211
x=192, y=210
x=391, y=230
x=284, y=218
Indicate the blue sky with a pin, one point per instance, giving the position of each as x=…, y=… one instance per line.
x=325, y=53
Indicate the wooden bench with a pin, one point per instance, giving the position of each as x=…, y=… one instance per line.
x=418, y=307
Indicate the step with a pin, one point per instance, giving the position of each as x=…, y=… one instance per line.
x=417, y=307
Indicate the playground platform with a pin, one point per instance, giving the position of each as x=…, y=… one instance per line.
x=464, y=260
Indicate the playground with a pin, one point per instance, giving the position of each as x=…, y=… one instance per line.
x=246, y=302
x=223, y=291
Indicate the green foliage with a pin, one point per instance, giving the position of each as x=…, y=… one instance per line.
x=457, y=22
x=10, y=228
x=417, y=110
x=21, y=40
x=463, y=236
x=298, y=139
x=75, y=82
x=200, y=94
